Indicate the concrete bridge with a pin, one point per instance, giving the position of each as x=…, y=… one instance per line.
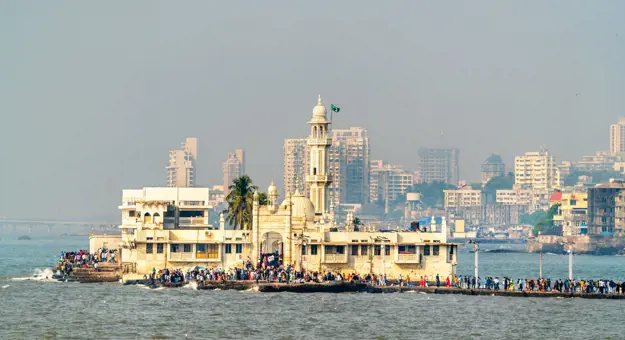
x=9, y=224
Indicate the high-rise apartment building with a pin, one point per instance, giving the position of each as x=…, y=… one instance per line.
x=439, y=165
x=296, y=160
x=537, y=170
x=233, y=166
x=492, y=167
x=349, y=166
x=181, y=169
x=617, y=138
x=388, y=181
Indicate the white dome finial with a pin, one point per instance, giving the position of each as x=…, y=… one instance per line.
x=319, y=102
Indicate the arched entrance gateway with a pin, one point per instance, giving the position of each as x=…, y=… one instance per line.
x=271, y=248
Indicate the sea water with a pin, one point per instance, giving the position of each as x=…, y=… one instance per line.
x=34, y=307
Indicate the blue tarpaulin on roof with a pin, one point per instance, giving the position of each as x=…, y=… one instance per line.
x=428, y=220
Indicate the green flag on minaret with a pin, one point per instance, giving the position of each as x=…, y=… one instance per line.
x=335, y=108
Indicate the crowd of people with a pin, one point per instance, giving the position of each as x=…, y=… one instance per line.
x=82, y=258
x=267, y=272
x=602, y=286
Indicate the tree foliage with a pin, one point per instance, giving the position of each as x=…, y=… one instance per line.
x=432, y=194
x=499, y=183
x=240, y=202
x=541, y=220
x=597, y=176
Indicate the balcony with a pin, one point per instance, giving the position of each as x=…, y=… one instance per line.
x=181, y=257
x=207, y=257
x=335, y=258
x=318, y=178
x=192, y=221
x=407, y=258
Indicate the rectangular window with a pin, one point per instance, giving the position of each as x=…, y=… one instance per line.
x=364, y=250
x=407, y=249
x=228, y=248
x=387, y=250
x=238, y=248
x=339, y=250
x=426, y=250
x=159, y=248
x=303, y=250
x=149, y=248
x=377, y=250
x=187, y=248
x=435, y=250
x=131, y=213
x=313, y=249
x=354, y=250
x=175, y=248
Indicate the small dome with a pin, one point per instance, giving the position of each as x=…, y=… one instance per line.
x=301, y=206
x=319, y=111
x=273, y=189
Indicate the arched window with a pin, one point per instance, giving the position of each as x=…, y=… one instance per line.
x=156, y=218
x=147, y=218
x=314, y=132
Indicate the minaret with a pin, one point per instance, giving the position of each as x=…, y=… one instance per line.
x=319, y=141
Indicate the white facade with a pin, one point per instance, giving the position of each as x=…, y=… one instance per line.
x=296, y=158
x=537, y=170
x=462, y=198
x=349, y=166
x=388, y=180
x=319, y=141
x=514, y=196
x=181, y=169
x=617, y=138
x=234, y=167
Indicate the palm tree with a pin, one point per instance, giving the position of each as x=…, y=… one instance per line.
x=240, y=202
x=262, y=198
x=356, y=222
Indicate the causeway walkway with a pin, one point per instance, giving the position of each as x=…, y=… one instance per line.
x=355, y=287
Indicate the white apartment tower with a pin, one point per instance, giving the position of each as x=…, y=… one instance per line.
x=349, y=166
x=617, y=138
x=537, y=170
x=181, y=169
x=233, y=166
x=319, y=141
x=296, y=158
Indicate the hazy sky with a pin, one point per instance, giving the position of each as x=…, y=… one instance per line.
x=94, y=94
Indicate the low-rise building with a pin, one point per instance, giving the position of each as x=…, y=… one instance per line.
x=572, y=214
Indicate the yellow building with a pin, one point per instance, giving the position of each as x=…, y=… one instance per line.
x=573, y=213
x=168, y=227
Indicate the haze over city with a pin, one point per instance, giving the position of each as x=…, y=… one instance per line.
x=92, y=98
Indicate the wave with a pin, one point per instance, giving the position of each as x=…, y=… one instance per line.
x=253, y=289
x=191, y=285
x=44, y=275
x=6, y=286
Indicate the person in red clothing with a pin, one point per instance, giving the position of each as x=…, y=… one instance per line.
x=447, y=282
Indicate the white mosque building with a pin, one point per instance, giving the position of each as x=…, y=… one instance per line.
x=168, y=228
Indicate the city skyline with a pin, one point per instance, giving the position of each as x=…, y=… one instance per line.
x=89, y=113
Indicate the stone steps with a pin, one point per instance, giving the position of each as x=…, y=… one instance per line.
x=108, y=272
